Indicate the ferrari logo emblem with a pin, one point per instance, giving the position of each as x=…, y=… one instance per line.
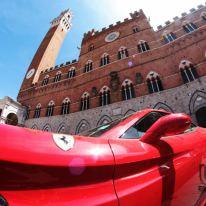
x=64, y=142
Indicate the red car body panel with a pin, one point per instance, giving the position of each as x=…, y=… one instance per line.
x=164, y=174
x=103, y=171
x=34, y=171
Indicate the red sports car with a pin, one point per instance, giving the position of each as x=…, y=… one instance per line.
x=150, y=158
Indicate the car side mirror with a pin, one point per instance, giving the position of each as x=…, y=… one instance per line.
x=168, y=125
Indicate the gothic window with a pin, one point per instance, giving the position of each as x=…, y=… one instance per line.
x=135, y=29
x=127, y=90
x=61, y=129
x=104, y=96
x=57, y=77
x=143, y=46
x=50, y=109
x=34, y=127
x=37, y=111
x=91, y=47
x=169, y=37
x=203, y=16
x=71, y=73
x=104, y=60
x=45, y=80
x=65, y=106
x=188, y=71
x=47, y=128
x=154, y=82
x=82, y=126
x=84, y=101
x=104, y=120
x=123, y=53
x=189, y=27
x=28, y=109
x=88, y=66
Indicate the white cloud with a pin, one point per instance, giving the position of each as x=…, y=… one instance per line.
x=159, y=11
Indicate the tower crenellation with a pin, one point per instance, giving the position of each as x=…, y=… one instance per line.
x=68, y=63
x=64, y=20
x=183, y=15
x=134, y=15
x=176, y=18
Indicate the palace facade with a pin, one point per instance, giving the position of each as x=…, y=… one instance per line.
x=121, y=69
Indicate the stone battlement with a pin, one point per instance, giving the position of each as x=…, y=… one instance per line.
x=93, y=32
x=59, y=66
x=184, y=14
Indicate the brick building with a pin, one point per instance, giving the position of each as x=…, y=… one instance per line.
x=121, y=69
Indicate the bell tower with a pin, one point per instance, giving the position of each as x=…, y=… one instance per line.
x=48, y=50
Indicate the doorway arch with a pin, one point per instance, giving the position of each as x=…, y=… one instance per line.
x=201, y=117
x=12, y=119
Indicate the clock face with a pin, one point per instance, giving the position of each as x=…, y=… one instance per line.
x=112, y=36
x=30, y=73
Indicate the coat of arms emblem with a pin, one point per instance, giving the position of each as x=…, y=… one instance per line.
x=63, y=141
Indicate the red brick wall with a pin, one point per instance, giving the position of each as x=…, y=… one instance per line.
x=162, y=58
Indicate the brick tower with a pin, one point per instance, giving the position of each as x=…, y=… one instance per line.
x=48, y=50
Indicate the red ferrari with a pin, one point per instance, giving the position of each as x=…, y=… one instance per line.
x=150, y=158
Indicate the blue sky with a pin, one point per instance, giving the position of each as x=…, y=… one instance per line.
x=23, y=24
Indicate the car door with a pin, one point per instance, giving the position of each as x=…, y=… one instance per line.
x=164, y=173
x=187, y=161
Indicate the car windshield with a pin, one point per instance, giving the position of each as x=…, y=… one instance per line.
x=98, y=131
x=141, y=126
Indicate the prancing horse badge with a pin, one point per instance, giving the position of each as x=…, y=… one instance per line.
x=63, y=141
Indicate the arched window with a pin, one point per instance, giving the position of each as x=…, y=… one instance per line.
x=188, y=71
x=47, y=128
x=82, y=126
x=123, y=53
x=65, y=106
x=57, y=77
x=127, y=90
x=72, y=72
x=91, y=47
x=169, y=37
x=61, y=129
x=154, y=82
x=203, y=16
x=104, y=96
x=34, y=127
x=37, y=111
x=50, y=109
x=104, y=60
x=45, y=80
x=189, y=27
x=143, y=46
x=28, y=109
x=88, y=66
x=84, y=101
x=135, y=29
